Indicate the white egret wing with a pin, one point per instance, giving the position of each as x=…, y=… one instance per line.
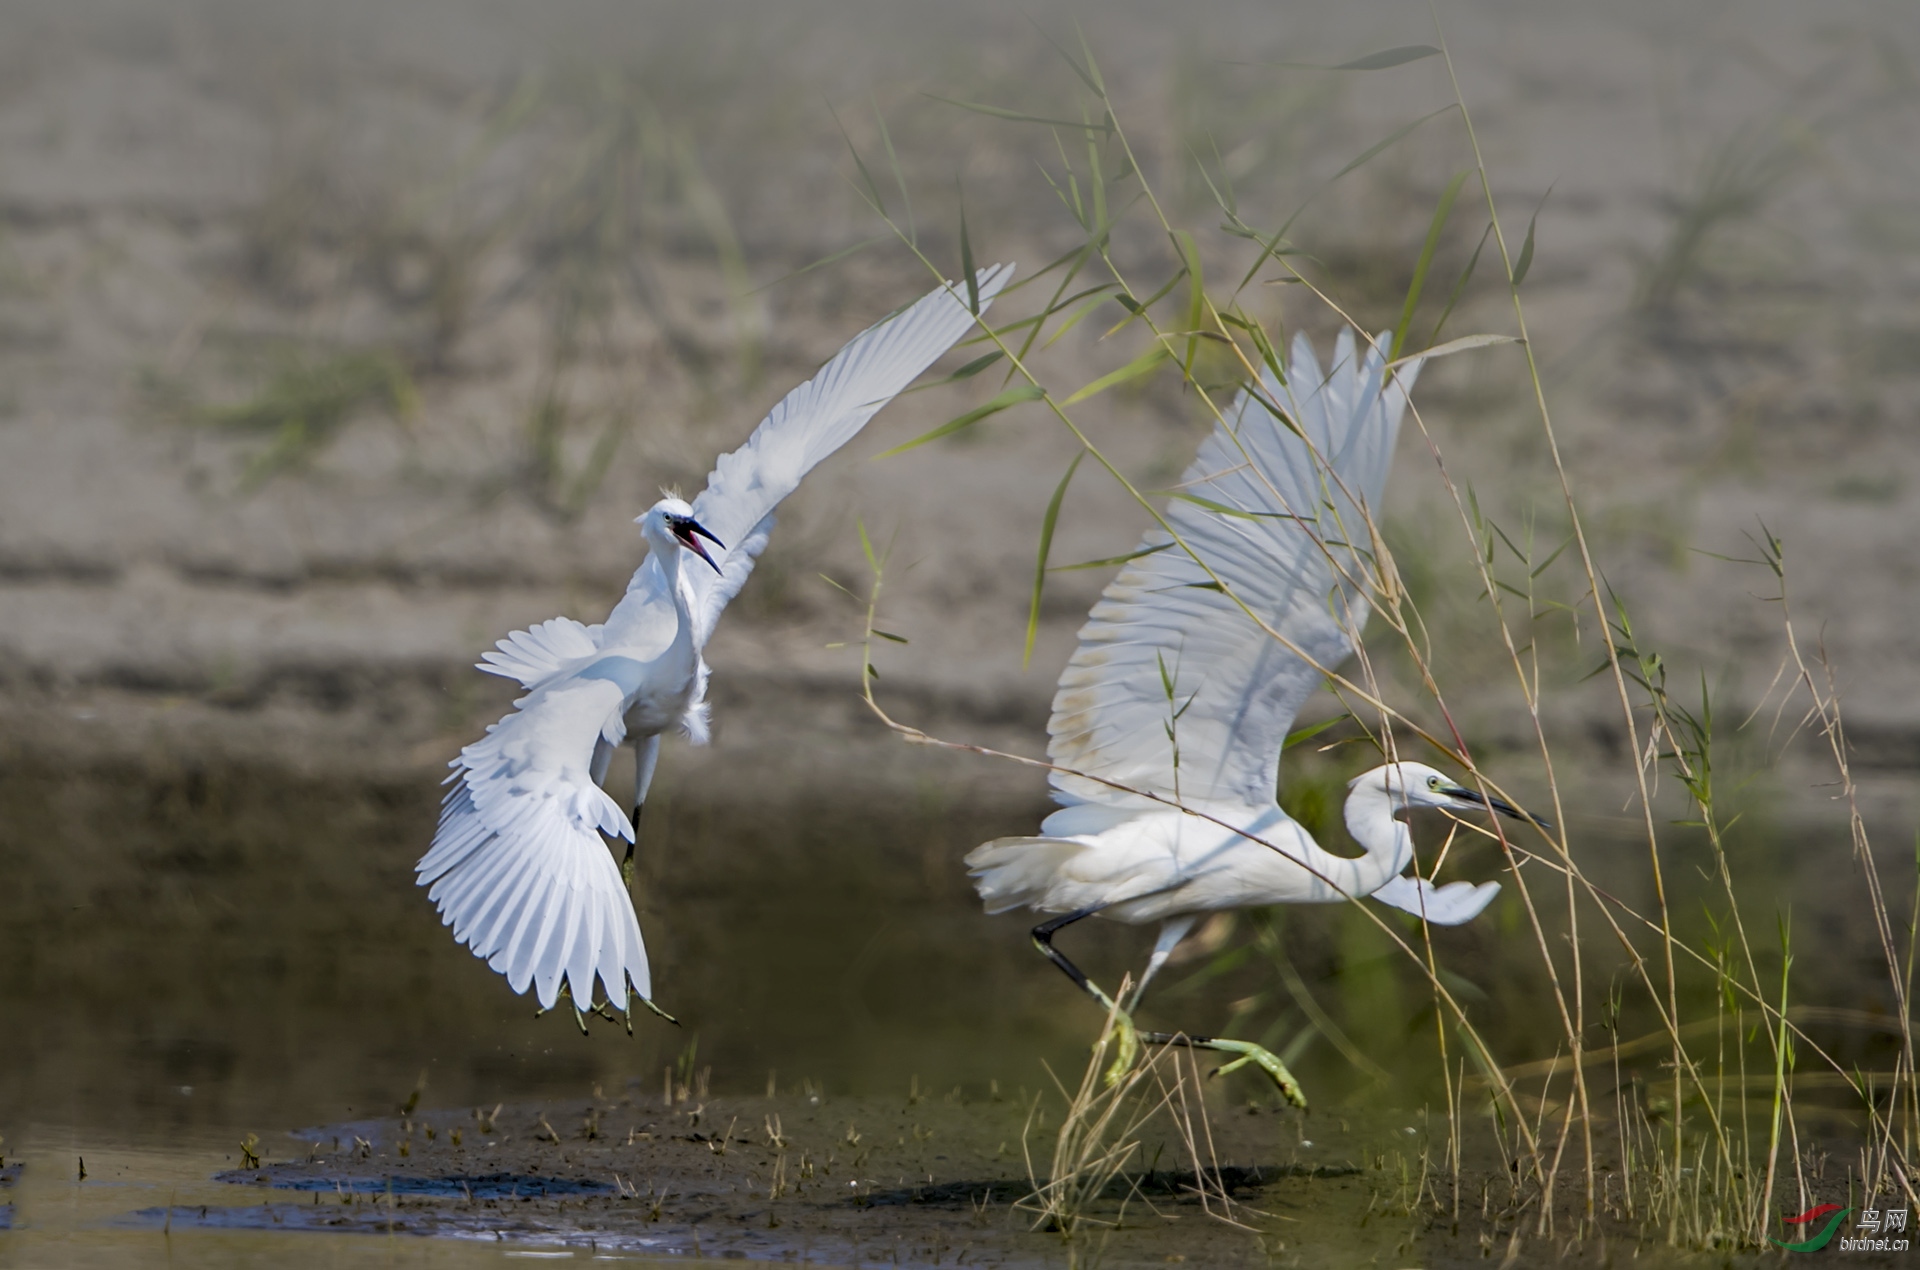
x=540, y=652
x=810, y=423
x=1454, y=904
x=1174, y=689
x=518, y=867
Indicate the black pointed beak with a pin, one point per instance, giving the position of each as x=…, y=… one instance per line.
x=686, y=531
x=1500, y=805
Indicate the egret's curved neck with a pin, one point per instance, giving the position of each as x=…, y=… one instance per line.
x=1388, y=841
x=637, y=617
x=667, y=551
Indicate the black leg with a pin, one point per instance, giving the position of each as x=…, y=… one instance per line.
x=1246, y=1052
x=646, y=756
x=626, y=862
x=1043, y=940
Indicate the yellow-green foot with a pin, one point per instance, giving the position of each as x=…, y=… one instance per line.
x=1265, y=1060
x=1126, y=1049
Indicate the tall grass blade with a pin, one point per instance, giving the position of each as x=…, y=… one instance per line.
x=1425, y=262
x=1525, y=260
x=1380, y=61
x=823, y=262
x=1300, y=736
x=1017, y=116
x=1046, y=548
x=1111, y=560
x=866, y=178
x=1386, y=144
x=1132, y=370
x=1079, y=315
x=1011, y=397
x=1460, y=283
x=974, y=367
x=1780, y=1062
x=1135, y=307
x=1464, y=344
x=1084, y=72
x=1221, y=509
x=899, y=176
x=966, y=256
x=1196, y=294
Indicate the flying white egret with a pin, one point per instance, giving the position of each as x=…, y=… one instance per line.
x=518, y=867
x=1176, y=692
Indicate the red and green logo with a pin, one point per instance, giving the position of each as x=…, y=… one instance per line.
x=1805, y=1222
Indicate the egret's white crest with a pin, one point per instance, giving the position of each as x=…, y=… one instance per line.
x=518, y=867
x=1177, y=692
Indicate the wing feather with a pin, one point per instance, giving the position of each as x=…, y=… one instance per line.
x=1173, y=689
x=535, y=655
x=810, y=423
x=1454, y=904
x=518, y=867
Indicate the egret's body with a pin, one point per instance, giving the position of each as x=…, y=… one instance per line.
x=1179, y=695
x=518, y=867
x=1165, y=863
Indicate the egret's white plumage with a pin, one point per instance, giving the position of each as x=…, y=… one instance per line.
x=518, y=867
x=1176, y=692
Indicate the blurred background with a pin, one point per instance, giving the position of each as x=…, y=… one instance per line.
x=338, y=340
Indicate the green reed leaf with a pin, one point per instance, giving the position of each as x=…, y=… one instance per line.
x=1464, y=344
x=1300, y=736
x=1378, y=146
x=1425, y=262
x=1132, y=370
x=1111, y=560
x=1046, y=547
x=1000, y=112
x=1007, y=400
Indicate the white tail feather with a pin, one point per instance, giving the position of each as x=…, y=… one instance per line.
x=1012, y=873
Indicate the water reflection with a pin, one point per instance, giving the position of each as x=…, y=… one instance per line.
x=245, y=948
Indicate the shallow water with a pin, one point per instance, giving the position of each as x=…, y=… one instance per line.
x=189, y=957
x=874, y=1181
x=64, y=1221
x=243, y=949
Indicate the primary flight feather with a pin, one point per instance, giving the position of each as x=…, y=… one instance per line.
x=518, y=867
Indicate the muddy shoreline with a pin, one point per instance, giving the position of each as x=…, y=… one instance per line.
x=920, y=1180
x=917, y=1180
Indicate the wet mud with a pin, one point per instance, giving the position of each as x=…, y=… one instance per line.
x=940, y=1180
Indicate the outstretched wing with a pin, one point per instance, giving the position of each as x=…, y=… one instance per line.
x=518, y=868
x=1174, y=689
x=810, y=423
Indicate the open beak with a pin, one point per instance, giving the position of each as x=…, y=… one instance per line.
x=1497, y=804
x=686, y=532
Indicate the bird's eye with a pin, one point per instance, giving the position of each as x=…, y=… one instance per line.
x=1433, y=782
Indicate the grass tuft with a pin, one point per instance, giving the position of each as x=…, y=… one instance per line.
x=304, y=403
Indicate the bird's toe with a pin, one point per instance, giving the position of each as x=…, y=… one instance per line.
x=1268, y=1062
x=1126, y=1050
